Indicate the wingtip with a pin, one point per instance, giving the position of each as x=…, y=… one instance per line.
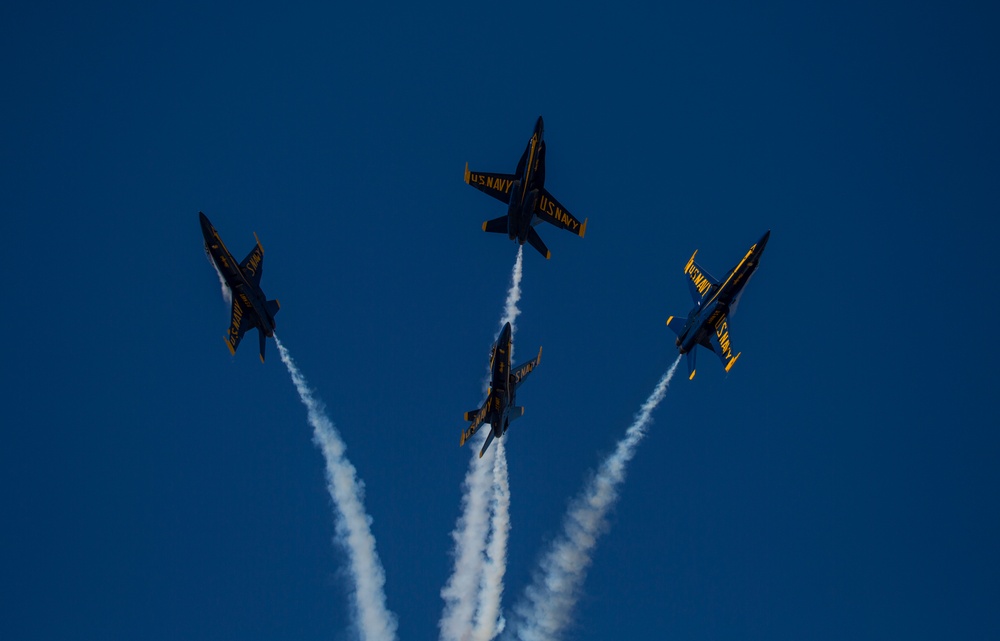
x=539, y=359
x=583, y=227
x=484, y=224
x=229, y=345
x=466, y=173
x=691, y=378
x=669, y=319
x=548, y=255
x=690, y=261
x=258, y=242
x=732, y=362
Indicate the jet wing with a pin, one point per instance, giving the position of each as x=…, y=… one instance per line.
x=700, y=281
x=548, y=209
x=519, y=373
x=721, y=344
x=496, y=185
x=477, y=417
x=252, y=266
x=240, y=324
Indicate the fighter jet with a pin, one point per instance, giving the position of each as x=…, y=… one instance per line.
x=526, y=198
x=250, y=307
x=707, y=325
x=499, y=410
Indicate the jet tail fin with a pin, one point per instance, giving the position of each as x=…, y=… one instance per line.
x=536, y=242
x=690, y=361
x=676, y=323
x=489, y=439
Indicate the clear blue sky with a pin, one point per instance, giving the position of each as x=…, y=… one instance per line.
x=840, y=482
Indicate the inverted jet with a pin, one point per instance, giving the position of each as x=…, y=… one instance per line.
x=250, y=306
x=527, y=200
x=715, y=301
x=499, y=409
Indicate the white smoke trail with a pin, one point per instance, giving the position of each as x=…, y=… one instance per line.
x=469, y=535
x=227, y=295
x=473, y=525
x=554, y=592
x=488, y=620
x=510, y=310
x=373, y=619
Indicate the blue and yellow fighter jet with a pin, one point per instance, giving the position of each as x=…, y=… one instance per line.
x=499, y=410
x=526, y=198
x=250, y=307
x=715, y=301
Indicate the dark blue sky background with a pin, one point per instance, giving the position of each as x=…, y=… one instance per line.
x=840, y=482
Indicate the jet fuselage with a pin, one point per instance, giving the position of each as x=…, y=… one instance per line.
x=526, y=190
x=703, y=318
x=502, y=392
x=241, y=288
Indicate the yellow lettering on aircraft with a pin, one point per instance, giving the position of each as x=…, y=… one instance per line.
x=490, y=182
x=255, y=259
x=234, y=329
x=701, y=283
x=722, y=333
x=557, y=213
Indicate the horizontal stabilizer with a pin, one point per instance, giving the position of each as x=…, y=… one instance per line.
x=489, y=439
x=676, y=323
x=516, y=412
x=691, y=356
x=496, y=226
x=536, y=242
x=273, y=306
x=263, y=342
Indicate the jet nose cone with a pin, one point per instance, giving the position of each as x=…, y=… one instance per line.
x=763, y=239
x=540, y=125
x=206, y=226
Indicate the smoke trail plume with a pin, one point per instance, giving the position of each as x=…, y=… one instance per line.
x=555, y=589
x=488, y=620
x=469, y=535
x=373, y=619
x=510, y=310
x=467, y=580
